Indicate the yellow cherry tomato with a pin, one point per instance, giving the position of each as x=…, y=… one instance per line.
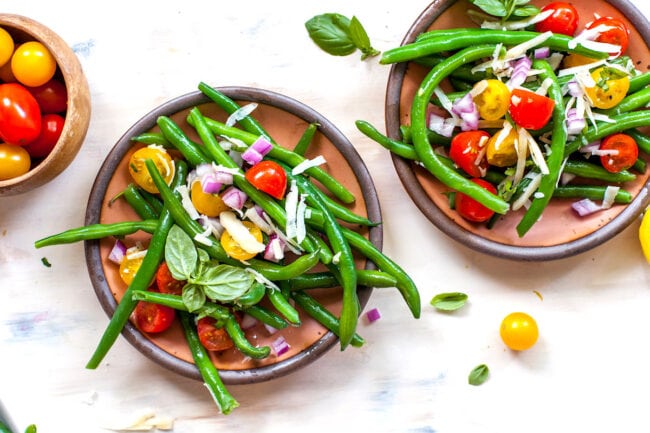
x=6, y=46
x=233, y=249
x=574, y=59
x=644, y=235
x=502, y=148
x=493, y=102
x=206, y=203
x=519, y=331
x=129, y=266
x=162, y=160
x=33, y=64
x=610, y=88
x=14, y=161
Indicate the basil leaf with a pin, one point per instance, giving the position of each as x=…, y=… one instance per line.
x=526, y=11
x=193, y=297
x=478, y=375
x=180, y=253
x=492, y=7
x=225, y=283
x=360, y=38
x=449, y=301
x=330, y=33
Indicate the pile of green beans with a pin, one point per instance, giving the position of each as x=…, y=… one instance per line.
x=448, y=56
x=328, y=236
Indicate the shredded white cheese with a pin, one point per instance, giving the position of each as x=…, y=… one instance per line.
x=291, y=209
x=535, y=180
x=240, y=233
x=535, y=151
x=610, y=196
x=262, y=279
x=240, y=113
x=186, y=202
x=307, y=164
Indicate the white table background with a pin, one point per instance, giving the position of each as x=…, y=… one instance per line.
x=588, y=372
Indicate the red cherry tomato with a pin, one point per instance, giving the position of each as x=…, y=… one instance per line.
x=211, y=337
x=268, y=176
x=20, y=115
x=563, y=19
x=51, y=127
x=52, y=96
x=472, y=210
x=530, y=110
x=467, y=152
x=166, y=282
x=626, y=152
x=617, y=34
x=153, y=318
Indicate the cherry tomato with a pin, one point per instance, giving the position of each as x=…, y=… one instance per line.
x=52, y=96
x=617, y=34
x=166, y=282
x=627, y=152
x=472, y=210
x=162, y=160
x=563, y=20
x=206, y=203
x=232, y=248
x=33, y=64
x=519, y=331
x=129, y=266
x=51, y=127
x=501, y=150
x=492, y=102
x=153, y=318
x=213, y=338
x=269, y=177
x=6, y=46
x=610, y=89
x=467, y=152
x=530, y=110
x=20, y=115
x=14, y=161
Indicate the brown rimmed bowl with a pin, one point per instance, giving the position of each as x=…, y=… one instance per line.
x=560, y=232
x=285, y=119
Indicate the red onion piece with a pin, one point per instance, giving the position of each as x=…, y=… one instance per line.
x=234, y=198
x=271, y=330
x=542, y=52
x=280, y=346
x=520, y=72
x=274, y=251
x=223, y=177
x=209, y=184
x=574, y=89
x=373, y=315
x=463, y=105
x=575, y=123
x=256, y=152
x=117, y=252
x=247, y=322
x=585, y=207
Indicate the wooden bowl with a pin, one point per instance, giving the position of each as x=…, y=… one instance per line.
x=560, y=232
x=285, y=119
x=77, y=115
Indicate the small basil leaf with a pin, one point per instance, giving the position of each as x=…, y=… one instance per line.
x=360, y=38
x=526, y=11
x=449, y=301
x=330, y=33
x=193, y=297
x=225, y=283
x=180, y=253
x=478, y=375
x=492, y=7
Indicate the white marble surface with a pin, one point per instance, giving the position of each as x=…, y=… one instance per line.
x=588, y=372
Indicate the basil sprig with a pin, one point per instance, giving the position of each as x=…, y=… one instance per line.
x=505, y=9
x=340, y=36
x=206, y=278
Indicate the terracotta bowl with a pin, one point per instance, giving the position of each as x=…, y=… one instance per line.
x=77, y=115
x=285, y=119
x=560, y=232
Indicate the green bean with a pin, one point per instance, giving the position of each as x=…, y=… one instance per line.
x=306, y=139
x=434, y=137
x=322, y=315
x=620, y=122
x=177, y=137
x=593, y=192
x=468, y=37
x=324, y=250
x=97, y=231
x=588, y=170
x=225, y=401
x=365, y=277
x=633, y=101
x=283, y=306
x=397, y=147
x=425, y=152
x=640, y=165
x=554, y=159
x=642, y=140
x=216, y=311
x=638, y=82
x=157, y=138
x=341, y=212
x=253, y=296
x=136, y=200
x=142, y=279
x=265, y=316
x=464, y=72
x=241, y=342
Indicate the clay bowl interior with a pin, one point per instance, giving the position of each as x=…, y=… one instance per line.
x=285, y=119
x=77, y=115
x=560, y=232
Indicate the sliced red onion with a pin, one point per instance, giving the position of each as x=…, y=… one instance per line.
x=117, y=252
x=247, y=322
x=520, y=72
x=373, y=315
x=223, y=177
x=542, y=52
x=441, y=125
x=585, y=207
x=463, y=105
x=574, y=122
x=256, y=151
x=234, y=198
x=574, y=88
x=469, y=121
x=274, y=251
x=209, y=184
x=280, y=346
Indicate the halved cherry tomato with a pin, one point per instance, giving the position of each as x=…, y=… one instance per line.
x=206, y=203
x=213, y=338
x=153, y=318
x=233, y=249
x=20, y=115
x=33, y=64
x=610, y=89
x=563, y=20
x=52, y=96
x=160, y=157
x=129, y=266
x=51, y=128
x=626, y=154
x=166, y=282
x=530, y=110
x=502, y=148
x=617, y=34
x=14, y=161
x=472, y=210
x=268, y=176
x=492, y=102
x=467, y=150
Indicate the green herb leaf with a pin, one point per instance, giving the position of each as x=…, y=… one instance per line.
x=225, y=283
x=478, y=375
x=361, y=39
x=46, y=262
x=493, y=7
x=330, y=33
x=180, y=253
x=193, y=297
x=526, y=11
x=449, y=301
